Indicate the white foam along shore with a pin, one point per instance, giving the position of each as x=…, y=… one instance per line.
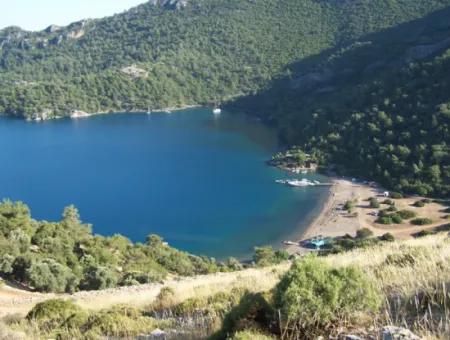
x=76, y=114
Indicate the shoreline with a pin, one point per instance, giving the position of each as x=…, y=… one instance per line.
x=79, y=114
x=331, y=221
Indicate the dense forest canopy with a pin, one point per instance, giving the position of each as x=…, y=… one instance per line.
x=167, y=53
x=378, y=107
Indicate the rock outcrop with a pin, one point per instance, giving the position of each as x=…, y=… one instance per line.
x=170, y=4
x=77, y=29
x=398, y=333
x=52, y=29
x=134, y=72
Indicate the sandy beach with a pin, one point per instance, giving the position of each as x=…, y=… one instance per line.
x=334, y=221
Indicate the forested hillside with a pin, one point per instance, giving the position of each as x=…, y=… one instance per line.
x=65, y=256
x=167, y=53
x=378, y=107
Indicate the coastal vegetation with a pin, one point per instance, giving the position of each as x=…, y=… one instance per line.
x=358, y=293
x=65, y=256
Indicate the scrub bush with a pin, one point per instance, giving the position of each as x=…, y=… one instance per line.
x=252, y=312
x=421, y=221
x=54, y=313
x=407, y=214
x=312, y=297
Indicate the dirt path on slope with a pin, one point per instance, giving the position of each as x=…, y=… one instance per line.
x=16, y=301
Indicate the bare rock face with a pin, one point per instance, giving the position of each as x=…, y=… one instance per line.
x=77, y=29
x=53, y=29
x=398, y=333
x=134, y=72
x=170, y=4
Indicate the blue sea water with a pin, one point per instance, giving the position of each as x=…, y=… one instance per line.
x=197, y=180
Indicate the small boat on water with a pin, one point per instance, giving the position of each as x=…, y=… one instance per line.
x=168, y=112
x=217, y=111
x=149, y=112
x=300, y=183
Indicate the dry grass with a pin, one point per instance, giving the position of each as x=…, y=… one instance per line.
x=14, y=301
x=414, y=276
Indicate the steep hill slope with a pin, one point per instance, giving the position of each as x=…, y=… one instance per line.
x=378, y=107
x=167, y=53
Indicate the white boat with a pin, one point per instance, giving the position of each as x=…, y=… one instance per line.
x=302, y=183
x=298, y=183
x=168, y=112
x=217, y=111
x=149, y=112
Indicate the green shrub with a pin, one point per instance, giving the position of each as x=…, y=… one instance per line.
x=407, y=214
x=165, y=298
x=397, y=219
x=6, y=264
x=422, y=221
x=50, y=276
x=388, y=202
x=364, y=233
x=266, y=256
x=252, y=312
x=373, y=203
x=234, y=264
x=98, y=277
x=396, y=195
x=392, y=208
x=312, y=296
x=349, y=206
x=121, y=321
x=251, y=335
x=388, y=237
x=423, y=233
x=385, y=220
x=419, y=204
x=137, y=278
x=54, y=313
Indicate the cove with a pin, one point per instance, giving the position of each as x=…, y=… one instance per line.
x=198, y=180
